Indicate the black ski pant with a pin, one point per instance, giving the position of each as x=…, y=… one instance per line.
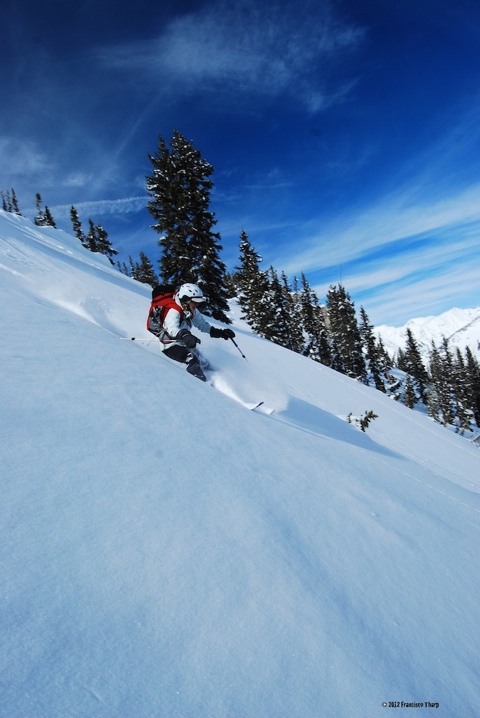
x=179, y=353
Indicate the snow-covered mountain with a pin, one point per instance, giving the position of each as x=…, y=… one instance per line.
x=460, y=326
x=168, y=553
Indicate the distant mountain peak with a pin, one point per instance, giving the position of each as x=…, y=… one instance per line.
x=460, y=326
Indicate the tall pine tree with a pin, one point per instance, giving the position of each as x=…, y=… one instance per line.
x=372, y=354
x=347, y=354
x=43, y=217
x=316, y=345
x=464, y=412
x=292, y=310
x=91, y=238
x=179, y=188
x=15, y=207
x=251, y=283
x=473, y=383
x=413, y=365
x=439, y=397
x=6, y=202
x=77, y=226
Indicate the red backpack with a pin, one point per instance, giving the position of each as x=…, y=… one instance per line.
x=162, y=301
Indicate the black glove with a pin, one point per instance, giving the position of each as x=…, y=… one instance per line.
x=221, y=333
x=188, y=339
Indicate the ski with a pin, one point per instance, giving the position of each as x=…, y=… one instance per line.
x=252, y=407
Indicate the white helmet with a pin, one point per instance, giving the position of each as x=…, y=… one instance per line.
x=190, y=293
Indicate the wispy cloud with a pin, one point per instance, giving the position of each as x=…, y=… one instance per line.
x=77, y=165
x=263, y=49
x=385, y=225
x=22, y=157
x=126, y=205
x=425, y=295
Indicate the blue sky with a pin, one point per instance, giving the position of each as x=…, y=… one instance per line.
x=344, y=135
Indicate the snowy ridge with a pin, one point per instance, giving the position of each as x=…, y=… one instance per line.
x=460, y=326
x=468, y=333
x=166, y=553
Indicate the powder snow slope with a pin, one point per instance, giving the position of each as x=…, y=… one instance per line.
x=166, y=553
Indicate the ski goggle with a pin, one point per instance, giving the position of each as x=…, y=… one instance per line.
x=196, y=300
x=190, y=305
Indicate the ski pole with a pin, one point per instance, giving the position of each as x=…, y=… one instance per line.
x=134, y=339
x=243, y=355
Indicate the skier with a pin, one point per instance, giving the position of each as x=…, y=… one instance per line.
x=177, y=340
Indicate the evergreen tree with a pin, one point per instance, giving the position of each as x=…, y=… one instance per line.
x=371, y=351
x=316, y=345
x=6, y=202
x=143, y=271
x=43, y=218
x=410, y=397
x=49, y=221
x=91, y=239
x=131, y=266
x=308, y=302
x=386, y=360
x=273, y=314
x=347, y=355
x=439, y=396
x=122, y=267
x=103, y=244
x=10, y=202
x=96, y=239
x=292, y=315
x=401, y=360
x=39, y=219
x=180, y=188
x=251, y=284
x=335, y=327
x=447, y=362
x=324, y=335
x=15, y=206
x=413, y=365
x=230, y=283
x=77, y=226
x=463, y=410
x=473, y=384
